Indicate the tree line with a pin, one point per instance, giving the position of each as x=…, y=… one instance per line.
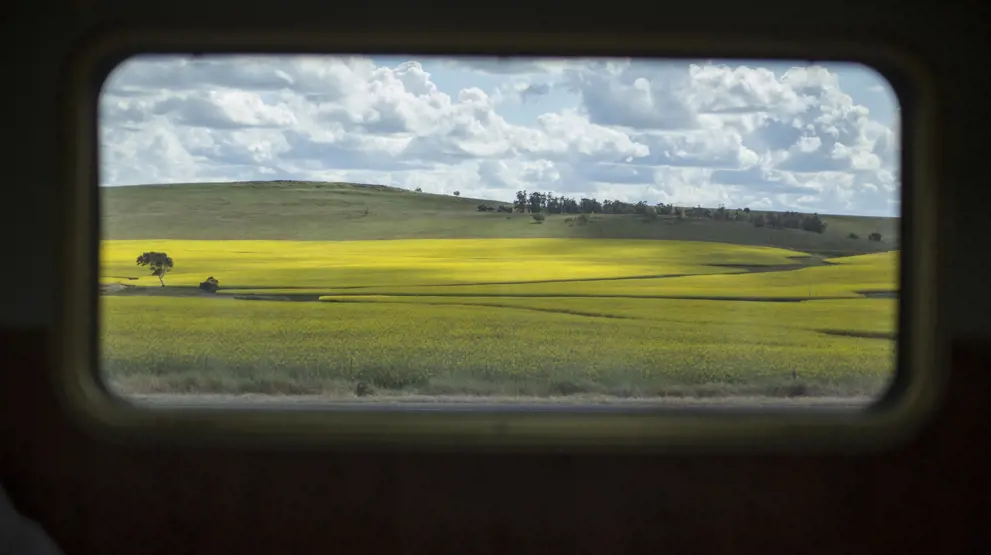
x=548, y=203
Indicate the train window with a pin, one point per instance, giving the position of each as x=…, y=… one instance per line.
x=377, y=235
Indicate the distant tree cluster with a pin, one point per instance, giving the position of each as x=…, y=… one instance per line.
x=791, y=220
x=536, y=203
x=490, y=208
x=548, y=203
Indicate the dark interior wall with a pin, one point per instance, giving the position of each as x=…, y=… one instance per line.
x=94, y=495
x=97, y=496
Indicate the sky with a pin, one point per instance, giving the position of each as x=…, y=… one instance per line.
x=760, y=134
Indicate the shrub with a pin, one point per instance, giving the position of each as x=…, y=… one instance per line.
x=538, y=217
x=813, y=223
x=211, y=285
x=583, y=219
x=853, y=236
x=457, y=193
x=874, y=236
x=362, y=389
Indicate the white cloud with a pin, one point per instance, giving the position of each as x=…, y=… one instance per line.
x=682, y=132
x=513, y=66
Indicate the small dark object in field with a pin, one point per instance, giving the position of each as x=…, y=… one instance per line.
x=798, y=389
x=362, y=389
x=211, y=285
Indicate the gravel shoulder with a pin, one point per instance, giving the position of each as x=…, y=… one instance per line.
x=371, y=403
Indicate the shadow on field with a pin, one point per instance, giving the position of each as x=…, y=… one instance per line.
x=187, y=291
x=612, y=226
x=893, y=336
x=569, y=312
x=343, y=291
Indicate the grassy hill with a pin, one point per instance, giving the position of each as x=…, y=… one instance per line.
x=309, y=211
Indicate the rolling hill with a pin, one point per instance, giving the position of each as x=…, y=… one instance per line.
x=311, y=211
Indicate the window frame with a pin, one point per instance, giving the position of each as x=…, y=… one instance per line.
x=915, y=393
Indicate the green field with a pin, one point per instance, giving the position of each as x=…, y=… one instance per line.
x=328, y=286
x=347, y=212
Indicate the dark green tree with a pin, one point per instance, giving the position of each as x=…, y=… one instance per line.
x=521, y=201
x=159, y=263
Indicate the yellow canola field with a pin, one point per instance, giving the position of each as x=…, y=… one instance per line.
x=333, y=264
x=569, y=316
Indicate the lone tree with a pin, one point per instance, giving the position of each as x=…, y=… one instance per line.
x=159, y=262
